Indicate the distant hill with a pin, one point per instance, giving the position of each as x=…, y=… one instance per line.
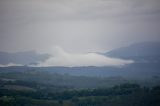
x=24, y=58
x=133, y=71
x=141, y=52
x=146, y=64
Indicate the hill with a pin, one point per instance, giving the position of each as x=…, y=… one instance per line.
x=23, y=58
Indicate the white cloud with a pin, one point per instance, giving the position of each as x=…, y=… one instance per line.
x=10, y=64
x=61, y=58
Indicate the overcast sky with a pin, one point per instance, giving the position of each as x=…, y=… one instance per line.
x=77, y=26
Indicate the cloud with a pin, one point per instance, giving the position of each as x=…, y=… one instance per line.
x=91, y=25
x=61, y=58
x=10, y=64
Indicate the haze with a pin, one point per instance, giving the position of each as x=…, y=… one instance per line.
x=77, y=26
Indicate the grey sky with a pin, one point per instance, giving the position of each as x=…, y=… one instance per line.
x=77, y=25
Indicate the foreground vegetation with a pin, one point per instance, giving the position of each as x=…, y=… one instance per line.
x=122, y=95
x=36, y=88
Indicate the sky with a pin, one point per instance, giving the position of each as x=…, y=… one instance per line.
x=77, y=26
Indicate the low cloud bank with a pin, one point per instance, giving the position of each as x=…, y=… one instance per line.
x=10, y=64
x=61, y=58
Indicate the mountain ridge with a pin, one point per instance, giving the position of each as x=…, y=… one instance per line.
x=24, y=58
